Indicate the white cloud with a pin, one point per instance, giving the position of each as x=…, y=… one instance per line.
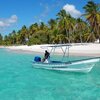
x=8, y=22
x=3, y=23
x=46, y=11
x=13, y=19
x=72, y=10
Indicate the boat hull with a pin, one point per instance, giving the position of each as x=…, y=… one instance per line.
x=73, y=66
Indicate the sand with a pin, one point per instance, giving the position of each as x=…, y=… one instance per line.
x=77, y=49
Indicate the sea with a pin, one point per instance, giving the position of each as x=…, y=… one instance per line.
x=19, y=80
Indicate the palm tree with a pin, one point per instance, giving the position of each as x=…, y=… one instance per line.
x=13, y=37
x=62, y=18
x=52, y=23
x=52, y=30
x=33, y=28
x=43, y=26
x=65, y=23
x=24, y=34
x=93, y=17
x=1, y=39
x=79, y=28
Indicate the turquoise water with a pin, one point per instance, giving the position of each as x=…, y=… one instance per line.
x=20, y=81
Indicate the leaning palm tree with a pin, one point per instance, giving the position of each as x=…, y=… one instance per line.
x=93, y=17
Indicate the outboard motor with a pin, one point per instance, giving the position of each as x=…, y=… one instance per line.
x=37, y=59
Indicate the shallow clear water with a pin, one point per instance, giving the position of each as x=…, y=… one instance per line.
x=20, y=81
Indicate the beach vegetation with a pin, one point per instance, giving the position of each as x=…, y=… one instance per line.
x=92, y=14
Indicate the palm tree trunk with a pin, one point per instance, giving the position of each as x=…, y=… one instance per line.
x=80, y=37
x=99, y=39
x=99, y=33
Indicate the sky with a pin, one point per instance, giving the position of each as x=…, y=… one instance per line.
x=16, y=13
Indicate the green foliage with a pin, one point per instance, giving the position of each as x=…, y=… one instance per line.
x=92, y=14
x=33, y=41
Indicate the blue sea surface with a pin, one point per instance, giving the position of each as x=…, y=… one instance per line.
x=20, y=81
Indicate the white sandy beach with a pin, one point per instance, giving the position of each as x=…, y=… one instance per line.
x=86, y=49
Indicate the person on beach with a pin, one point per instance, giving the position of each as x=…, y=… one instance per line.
x=46, y=57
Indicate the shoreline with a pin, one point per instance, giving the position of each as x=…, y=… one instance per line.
x=84, y=49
